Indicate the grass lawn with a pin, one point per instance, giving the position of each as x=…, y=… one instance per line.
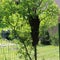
x=48, y=53
x=8, y=51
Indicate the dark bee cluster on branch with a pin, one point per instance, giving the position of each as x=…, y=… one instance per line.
x=34, y=23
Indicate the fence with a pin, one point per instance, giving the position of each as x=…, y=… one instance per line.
x=8, y=50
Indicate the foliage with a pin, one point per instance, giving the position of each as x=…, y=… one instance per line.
x=15, y=17
x=54, y=39
x=45, y=38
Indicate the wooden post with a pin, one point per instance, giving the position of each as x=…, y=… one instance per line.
x=59, y=26
x=59, y=32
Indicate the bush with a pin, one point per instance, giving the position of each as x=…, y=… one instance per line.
x=54, y=40
x=45, y=39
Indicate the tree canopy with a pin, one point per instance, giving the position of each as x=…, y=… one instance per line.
x=15, y=15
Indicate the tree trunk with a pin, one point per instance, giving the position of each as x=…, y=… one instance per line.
x=35, y=52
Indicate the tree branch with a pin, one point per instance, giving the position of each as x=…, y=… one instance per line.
x=24, y=46
x=40, y=3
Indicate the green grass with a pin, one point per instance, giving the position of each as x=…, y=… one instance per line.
x=48, y=53
x=9, y=52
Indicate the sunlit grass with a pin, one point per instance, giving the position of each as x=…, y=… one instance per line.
x=9, y=52
x=48, y=53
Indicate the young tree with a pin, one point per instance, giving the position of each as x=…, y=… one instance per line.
x=32, y=11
